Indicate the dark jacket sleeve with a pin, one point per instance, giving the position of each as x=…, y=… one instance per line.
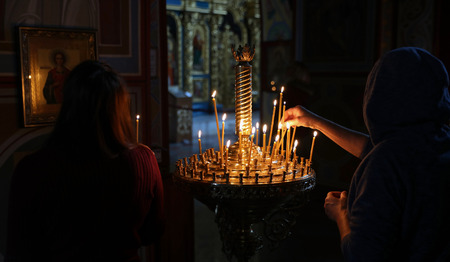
x=375, y=212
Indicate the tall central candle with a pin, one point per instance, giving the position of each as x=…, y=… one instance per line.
x=223, y=133
x=264, y=140
x=241, y=125
x=217, y=119
x=137, y=128
x=312, y=147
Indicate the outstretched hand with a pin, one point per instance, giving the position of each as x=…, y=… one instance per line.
x=299, y=116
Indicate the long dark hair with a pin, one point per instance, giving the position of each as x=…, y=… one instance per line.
x=95, y=116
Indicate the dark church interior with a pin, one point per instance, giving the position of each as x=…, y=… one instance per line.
x=175, y=54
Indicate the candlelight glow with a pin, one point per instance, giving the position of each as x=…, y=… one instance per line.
x=199, y=134
x=288, y=125
x=137, y=117
x=228, y=143
x=282, y=89
x=315, y=133
x=213, y=94
x=275, y=102
x=224, y=116
x=253, y=131
x=257, y=125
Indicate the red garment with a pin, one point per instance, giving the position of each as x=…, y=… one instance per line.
x=72, y=208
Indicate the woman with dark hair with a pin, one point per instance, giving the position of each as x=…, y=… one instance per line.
x=398, y=204
x=92, y=193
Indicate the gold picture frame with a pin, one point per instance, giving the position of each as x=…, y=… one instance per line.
x=47, y=55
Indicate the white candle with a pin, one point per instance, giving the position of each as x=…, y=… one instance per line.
x=137, y=128
x=223, y=132
x=271, y=125
x=200, y=141
x=217, y=119
x=288, y=140
x=264, y=140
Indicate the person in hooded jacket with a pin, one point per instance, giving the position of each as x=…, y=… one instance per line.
x=398, y=204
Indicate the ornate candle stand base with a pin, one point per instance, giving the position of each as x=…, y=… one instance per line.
x=238, y=206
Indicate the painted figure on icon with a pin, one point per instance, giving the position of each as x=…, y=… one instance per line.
x=55, y=79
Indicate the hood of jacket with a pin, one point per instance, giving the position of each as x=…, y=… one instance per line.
x=406, y=91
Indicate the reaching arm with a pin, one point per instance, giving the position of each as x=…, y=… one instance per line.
x=352, y=141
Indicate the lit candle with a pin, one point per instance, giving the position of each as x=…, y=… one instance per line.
x=295, y=149
x=281, y=99
x=312, y=146
x=137, y=128
x=250, y=147
x=226, y=155
x=271, y=125
x=200, y=141
x=288, y=140
x=264, y=140
x=217, y=119
x=273, y=149
x=279, y=136
x=293, y=137
x=257, y=131
x=223, y=132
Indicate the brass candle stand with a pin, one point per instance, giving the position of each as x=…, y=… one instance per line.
x=244, y=185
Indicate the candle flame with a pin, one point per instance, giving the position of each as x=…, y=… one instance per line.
x=280, y=125
x=137, y=117
x=199, y=134
x=257, y=125
x=288, y=125
x=213, y=94
x=295, y=143
x=315, y=133
x=264, y=128
x=282, y=89
x=277, y=137
x=284, y=102
x=224, y=116
x=275, y=102
x=228, y=143
x=253, y=130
